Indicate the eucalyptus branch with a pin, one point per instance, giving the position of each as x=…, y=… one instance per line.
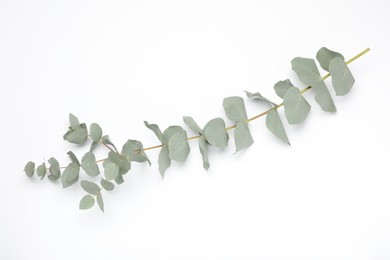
x=174, y=140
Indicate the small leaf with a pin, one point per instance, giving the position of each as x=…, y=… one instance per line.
x=242, y=136
x=295, y=106
x=74, y=121
x=41, y=170
x=93, y=146
x=215, y=133
x=178, y=146
x=342, y=78
x=100, y=202
x=204, y=152
x=120, y=160
x=170, y=131
x=156, y=130
x=119, y=180
x=111, y=171
x=190, y=122
x=324, y=56
x=96, y=132
x=282, y=87
x=90, y=187
x=275, y=125
x=73, y=158
x=78, y=136
x=86, y=202
x=70, y=175
x=163, y=160
x=235, y=109
x=107, y=185
x=29, y=169
x=89, y=165
x=308, y=73
x=107, y=141
x=129, y=150
x=54, y=169
x=258, y=96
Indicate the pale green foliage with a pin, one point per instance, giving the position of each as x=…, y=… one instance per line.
x=90, y=187
x=54, y=169
x=308, y=73
x=281, y=87
x=100, y=202
x=235, y=111
x=111, y=171
x=29, y=169
x=86, y=202
x=89, y=165
x=77, y=132
x=260, y=97
x=70, y=175
x=342, y=79
x=296, y=108
x=107, y=141
x=107, y=185
x=275, y=125
x=96, y=132
x=41, y=170
x=134, y=151
x=324, y=56
x=73, y=158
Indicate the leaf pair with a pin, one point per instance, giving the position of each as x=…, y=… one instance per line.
x=174, y=145
x=115, y=166
x=77, y=132
x=88, y=200
x=235, y=111
x=273, y=121
x=342, y=79
x=71, y=173
x=213, y=133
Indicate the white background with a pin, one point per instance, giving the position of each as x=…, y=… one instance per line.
x=118, y=63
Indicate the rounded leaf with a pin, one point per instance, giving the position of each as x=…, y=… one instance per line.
x=215, y=133
x=107, y=185
x=89, y=165
x=111, y=171
x=96, y=132
x=86, y=202
x=41, y=170
x=90, y=187
x=29, y=169
x=54, y=168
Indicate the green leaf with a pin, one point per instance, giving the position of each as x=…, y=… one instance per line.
x=107, y=141
x=119, y=180
x=73, y=158
x=86, y=202
x=190, y=122
x=235, y=109
x=156, y=130
x=281, y=87
x=90, y=187
x=54, y=169
x=70, y=175
x=170, y=131
x=242, y=136
x=258, y=96
x=308, y=73
x=29, y=169
x=178, y=146
x=107, y=185
x=89, y=165
x=41, y=170
x=120, y=160
x=93, y=146
x=215, y=133
x=129, y=150
x=342, y=78
x=275, y=125
x=78, y=136
x=204, y=152
x=111, y=171
x=163, y=160
x=296, y=107
x=100, y=202
x=96, y=132
x=324, y=56
x=74, y=121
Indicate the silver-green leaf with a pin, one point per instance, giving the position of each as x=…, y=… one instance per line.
x=134, y=151
x=100, y=202
x=70, y=175
x=324, y=56
x=73, y=157
x=258, y=96
x=156, y=130
x=204, y=152
x=107, y=141
x=96, y=132
x=89, y=165
x=296, y=107
x=78, y=136
x=74, y=121
x=235, y=109
x=86, y=202
x=120, y=160
x=29, y=169
x=90, y=187
x=107, y=185
x=242, y=136
x=215, y=133
x=190, y=122
x=281, y=87
x=41, y=170
x=274, y=125
x=178, y=146
x=342, y=78
x=308, y=73
x=111, y=171
x=163, y=160
x=54, y=169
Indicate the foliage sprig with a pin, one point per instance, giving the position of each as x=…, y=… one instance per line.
x=174, y=140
